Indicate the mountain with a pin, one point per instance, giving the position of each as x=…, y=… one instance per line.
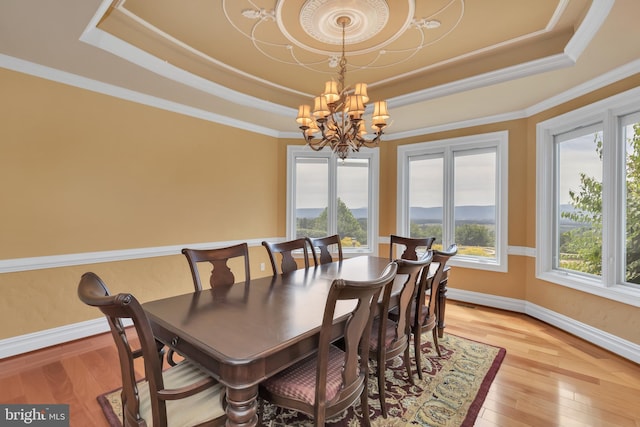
x=477, y=214
x=463, y=213
x=315, y=212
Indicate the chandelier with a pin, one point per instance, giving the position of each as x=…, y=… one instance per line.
x=338, y=113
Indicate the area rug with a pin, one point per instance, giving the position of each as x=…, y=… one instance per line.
x=450, y=394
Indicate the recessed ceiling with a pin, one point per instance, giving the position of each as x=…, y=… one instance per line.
x=250, y=63
x=287, y=46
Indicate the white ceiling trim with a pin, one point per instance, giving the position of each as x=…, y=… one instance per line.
x=105, y=41
x=495, y=77
x=33, y=69
x=612, y=76
x=188, y=48
x=75, y=80
x=588, y=28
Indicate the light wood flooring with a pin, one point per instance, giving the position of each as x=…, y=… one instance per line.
x=548, y=377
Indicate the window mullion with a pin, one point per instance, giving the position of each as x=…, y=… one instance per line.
x=612, y=173
x=448, y=226
x=332, y=213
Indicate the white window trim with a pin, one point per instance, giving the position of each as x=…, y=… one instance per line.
x=499, y=140
x=373, y=154
x=606, y=112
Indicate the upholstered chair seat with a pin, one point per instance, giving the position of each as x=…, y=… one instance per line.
x=299, y=381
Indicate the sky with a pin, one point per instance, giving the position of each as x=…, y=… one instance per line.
x=577, y=155
x=352, y=189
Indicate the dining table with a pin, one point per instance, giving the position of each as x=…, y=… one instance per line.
x=244, y=333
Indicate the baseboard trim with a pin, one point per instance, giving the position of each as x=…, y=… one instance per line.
x=610, y=342
x=49, y=337
x=35, y=341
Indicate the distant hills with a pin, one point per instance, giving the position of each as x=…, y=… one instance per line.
x=477, y=214
x=480, y=214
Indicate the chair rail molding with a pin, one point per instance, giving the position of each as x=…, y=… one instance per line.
x=53, y=261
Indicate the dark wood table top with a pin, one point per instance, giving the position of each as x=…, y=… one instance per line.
x=240, y=323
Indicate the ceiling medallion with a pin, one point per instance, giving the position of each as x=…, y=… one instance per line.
x=381, y=33
x=319, y=19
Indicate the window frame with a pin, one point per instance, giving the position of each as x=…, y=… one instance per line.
x=447, y=147
x=609, y=112
x=373, y=155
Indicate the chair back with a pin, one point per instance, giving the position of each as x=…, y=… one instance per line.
x=411, y=244
x=356, y=335
x=426, y=317
x=92, y=291
x=221, y=274
x=323, y=244
x=442, y=257
x=409, y=272
x=286, y=249
x=416, y=272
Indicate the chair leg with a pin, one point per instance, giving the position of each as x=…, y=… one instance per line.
x=435, y=341
x=407, y=363
x=417, y=351
x=381, y=383
x=364, y=403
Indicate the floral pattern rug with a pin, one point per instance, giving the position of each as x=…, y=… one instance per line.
x=450, y=394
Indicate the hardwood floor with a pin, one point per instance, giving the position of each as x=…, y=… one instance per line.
x=548, y=377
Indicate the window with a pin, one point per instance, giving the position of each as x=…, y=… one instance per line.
x=456, y=190
x=326, y=195
x=578, y=204
x=588, y=193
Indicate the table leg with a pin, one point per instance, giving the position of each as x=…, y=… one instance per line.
x=442, y=303
x=242, y=405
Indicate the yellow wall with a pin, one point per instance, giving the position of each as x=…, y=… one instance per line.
x=83, y=172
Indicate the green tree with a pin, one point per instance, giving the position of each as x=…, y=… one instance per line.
x=348, y=225
x=586, y=241
x=633, y=208
x=474, y=235
x=426, y=230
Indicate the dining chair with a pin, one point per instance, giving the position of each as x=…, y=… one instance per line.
x=181, y=395
x=333, y=379
x=221, y=274
x=391, y=327
x=410, y=244
x=324, y=244
x=286, y=249
x=443, y=257
x=428, y=299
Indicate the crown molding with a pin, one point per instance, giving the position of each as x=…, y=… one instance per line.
x=617, y=74
x=48, y=73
